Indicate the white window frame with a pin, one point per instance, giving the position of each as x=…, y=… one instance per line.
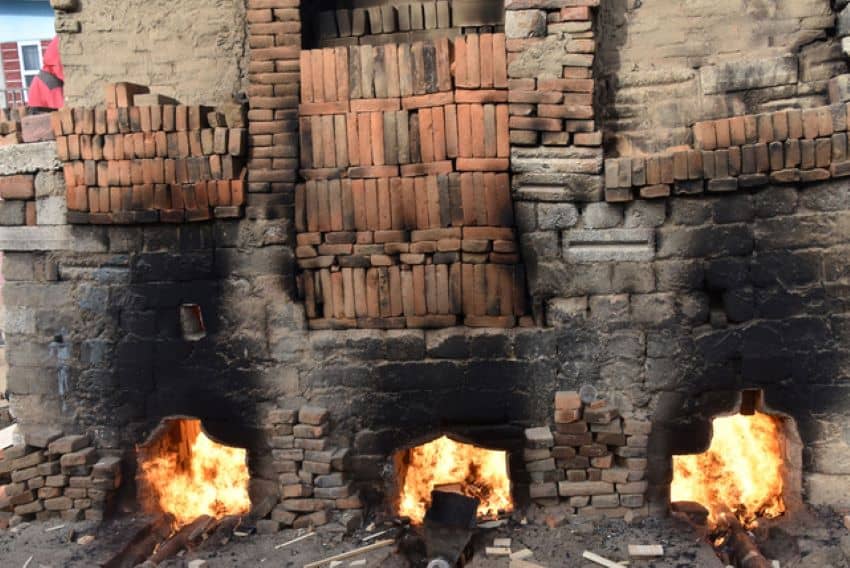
x=24, y=72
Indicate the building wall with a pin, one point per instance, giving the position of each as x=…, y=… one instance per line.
x=194, y=53
x=665, y=64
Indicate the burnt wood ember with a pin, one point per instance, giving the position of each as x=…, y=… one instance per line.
x=183, y=538
x=742, y=550
x=140, y=546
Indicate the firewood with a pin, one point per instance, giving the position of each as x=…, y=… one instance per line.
x=351, y=553
x=178, y=541
x=743, y=550
x=601, y=560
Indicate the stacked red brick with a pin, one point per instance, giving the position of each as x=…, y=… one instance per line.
x=406, y=217
x=51, y=476
x=128, y=163
x=313, y=480
x=595, y=460
x=386, y=23
x=10, y=128
x=18, y=205
x=274, y=36
x=789, y=146
x=556, y=111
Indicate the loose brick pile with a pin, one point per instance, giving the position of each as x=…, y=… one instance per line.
x=783, y=147
x=313, y=479
x=146, y=163
x=51, y=476
x=401, y=23
x=406, y=219
x=595, y=460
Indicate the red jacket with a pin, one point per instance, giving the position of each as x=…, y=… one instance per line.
x=45, y=91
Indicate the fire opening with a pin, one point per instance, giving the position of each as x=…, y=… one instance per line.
x=452, y=466
x=742, y=472
x=186, y=474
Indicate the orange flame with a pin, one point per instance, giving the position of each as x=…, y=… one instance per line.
x=477, y=472
x=741, y=472
x=211, y=480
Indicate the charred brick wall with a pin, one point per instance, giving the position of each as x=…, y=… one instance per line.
x=652, y=302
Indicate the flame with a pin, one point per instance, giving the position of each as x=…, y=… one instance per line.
x=479, y=473
x=741, y=471
x=210, y=479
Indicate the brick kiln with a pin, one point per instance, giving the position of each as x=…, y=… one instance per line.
x=407, y=245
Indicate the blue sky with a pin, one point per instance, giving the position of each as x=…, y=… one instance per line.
x=22, y=20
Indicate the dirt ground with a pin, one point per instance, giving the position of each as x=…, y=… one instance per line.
x=816, y=539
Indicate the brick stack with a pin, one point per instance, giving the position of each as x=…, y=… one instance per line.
x=552, y=119
x=406, y=219
x=51, y=476
x=10, y=127
x=404, y=23
x=18, y=205
x=151, y=162
x=741, y=152
x=274, y=36
x=313, y=479
x=595, y=460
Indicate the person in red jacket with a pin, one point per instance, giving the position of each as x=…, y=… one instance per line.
x=45, y=91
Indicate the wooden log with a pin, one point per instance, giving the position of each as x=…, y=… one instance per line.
x=351, y=553
x=178, y=541
x=743, y=550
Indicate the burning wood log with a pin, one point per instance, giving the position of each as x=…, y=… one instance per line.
x=742, y=549
x=142, y=544
x=180, y=540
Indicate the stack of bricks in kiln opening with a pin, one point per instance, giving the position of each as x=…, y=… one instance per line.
x=139, y=161
x=406, y=218
x=595, y=460
x=51, y=476
x=312, y=478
